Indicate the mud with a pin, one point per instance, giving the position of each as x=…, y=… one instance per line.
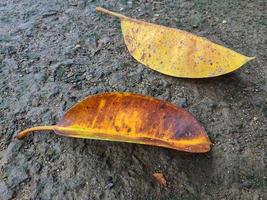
x=55, y=53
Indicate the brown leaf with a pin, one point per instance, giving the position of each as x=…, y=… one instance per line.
x=160, y=179
x=133, y=118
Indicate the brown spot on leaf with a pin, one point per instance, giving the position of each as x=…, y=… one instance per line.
x=143, y=56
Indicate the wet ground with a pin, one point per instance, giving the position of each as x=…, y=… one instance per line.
x=55, y=53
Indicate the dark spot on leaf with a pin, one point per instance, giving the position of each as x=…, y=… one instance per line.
x=117, y=128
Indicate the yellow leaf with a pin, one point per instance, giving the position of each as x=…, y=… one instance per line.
x=175, y=52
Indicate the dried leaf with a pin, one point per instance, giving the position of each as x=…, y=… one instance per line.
x=133, y=118
x=175, y=52
x=160, y=179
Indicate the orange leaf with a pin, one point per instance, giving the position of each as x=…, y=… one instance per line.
x=175, y=52
x=133, y=118
x=160, y=179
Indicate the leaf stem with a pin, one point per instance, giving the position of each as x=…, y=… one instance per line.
x=24, y=133
x=100, y=9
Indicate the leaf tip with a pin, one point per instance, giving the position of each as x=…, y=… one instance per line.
x=21, y=135
x=100, y=9
x=250, y=58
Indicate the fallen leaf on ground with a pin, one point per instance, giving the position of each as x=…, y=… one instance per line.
x=160, y=179
x=133, y=118
x=175, y=52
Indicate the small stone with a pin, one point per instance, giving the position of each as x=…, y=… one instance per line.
x=247, y=184
x=96, y=76
x=17, y=176
x=182, y=102
x=40, y=77
x=92, y=40
x=224, y=21
x=33, y=55
x=54, y=91
x=164, y=84
x=136, y=76
x=82, y=4
x=77, y=46
x=110, y=184
x=130, y=3
x=264, y=110
x=49, y=13
x=35, y=168
x=73, y=3
x=195, y=21
x=103, y=41
x=35, y=101
x=115, y=78
x=256, y=196
x=59, y=72
x=5, y=192
x=4, y=38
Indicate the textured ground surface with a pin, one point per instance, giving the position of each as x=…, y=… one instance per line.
x=54, y=53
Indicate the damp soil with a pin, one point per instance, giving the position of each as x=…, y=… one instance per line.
x=55, y=53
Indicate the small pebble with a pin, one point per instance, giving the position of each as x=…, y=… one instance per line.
x=110, y=184
x=17, y=175
x=5, y=192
